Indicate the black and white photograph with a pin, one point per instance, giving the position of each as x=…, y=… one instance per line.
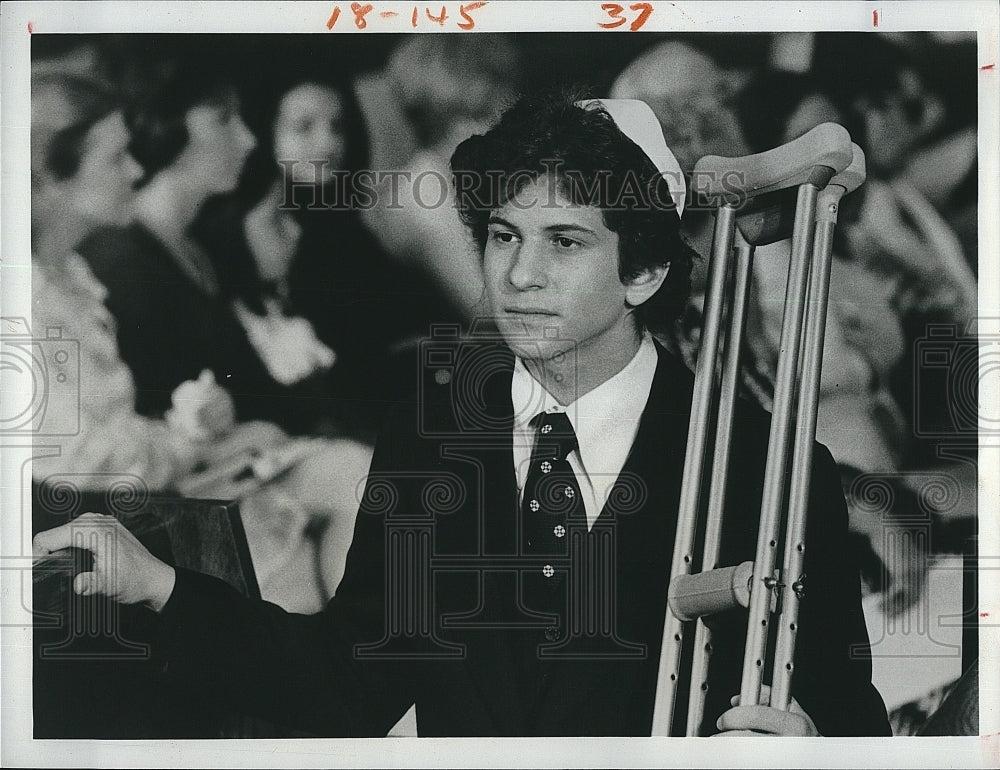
x=565, y=377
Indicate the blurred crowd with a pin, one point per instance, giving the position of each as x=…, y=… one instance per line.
x=248, y=305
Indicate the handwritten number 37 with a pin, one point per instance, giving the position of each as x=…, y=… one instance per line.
x=616, y=12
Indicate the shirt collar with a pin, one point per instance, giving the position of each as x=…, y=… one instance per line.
x=617, y=400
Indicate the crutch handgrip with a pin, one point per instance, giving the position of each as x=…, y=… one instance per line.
x=707, y=593
x=828, y=146
x=852, y=177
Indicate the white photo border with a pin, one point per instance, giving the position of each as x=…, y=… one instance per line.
x=17, y=22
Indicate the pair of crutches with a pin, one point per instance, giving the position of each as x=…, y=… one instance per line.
x=795, y=191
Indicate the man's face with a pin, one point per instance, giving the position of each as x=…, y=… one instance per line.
x=551, y=270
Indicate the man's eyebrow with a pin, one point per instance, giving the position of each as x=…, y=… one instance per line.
x=569, y=228
x=495, y=220
x=560, y=228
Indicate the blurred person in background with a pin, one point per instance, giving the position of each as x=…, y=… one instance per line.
x=81, y=179
x=448, y=87
x=300, y=499
x=864, y=336
x=899, y=234
x=896, y=264
x=306, y=278
x=697, y=112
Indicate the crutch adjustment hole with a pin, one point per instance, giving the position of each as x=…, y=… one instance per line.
x=759, y=664
x=793, y=627
x=673, y=677
x=677, y=637
x=687, y=559
x=788, y=667
x=763, y=622
x=704, y=687
x=773, y=543
x=800, y=548
x=708, y=647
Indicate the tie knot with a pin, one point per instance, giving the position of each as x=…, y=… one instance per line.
x=555, y=434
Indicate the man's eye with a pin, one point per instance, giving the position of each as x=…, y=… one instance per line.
x=502, y=236
x=564, y=242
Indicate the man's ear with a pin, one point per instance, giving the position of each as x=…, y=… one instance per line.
x=645, y=284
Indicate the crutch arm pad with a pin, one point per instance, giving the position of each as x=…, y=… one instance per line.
x=827, y=146
x=711, y=592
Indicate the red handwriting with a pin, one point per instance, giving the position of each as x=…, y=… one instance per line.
x=439, y=19
x=615, y=12
x=360, y=11
x=988, y=67
x=463, y=20
x=984, y=614
x=874, y=18
x=464, y=12
x=31, y=28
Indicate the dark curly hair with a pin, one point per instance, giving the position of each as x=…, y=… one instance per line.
x=594, y=164
x=57, y=136
x=156, y=118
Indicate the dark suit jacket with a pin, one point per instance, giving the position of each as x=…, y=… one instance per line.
x=435, y=591
x=169, y=330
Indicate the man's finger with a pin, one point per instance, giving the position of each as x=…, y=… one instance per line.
x=763, y=719
x=737, y=734
x=54, y=539
x=85, y=584
x=68, y=535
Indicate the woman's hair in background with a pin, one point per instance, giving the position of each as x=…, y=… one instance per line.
x=768, y=102
x=260, y=110
x=442, y=79
x=163, y=93
x=595, y=164
x=64, y=107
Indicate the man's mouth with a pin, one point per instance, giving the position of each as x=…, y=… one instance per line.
x=528, y=311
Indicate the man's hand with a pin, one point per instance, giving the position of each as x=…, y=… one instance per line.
x=124, y=571
x=764, y=720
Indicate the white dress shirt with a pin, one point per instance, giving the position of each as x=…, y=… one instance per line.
x=605, y=421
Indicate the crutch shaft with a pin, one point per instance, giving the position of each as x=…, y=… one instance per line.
x=687, y=516
x=720, y=471
x=798, y=496
x=778, y=447
x=827, y=208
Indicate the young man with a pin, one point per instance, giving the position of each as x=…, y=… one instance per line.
x=512, y=551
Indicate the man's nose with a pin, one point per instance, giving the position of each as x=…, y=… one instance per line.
x=527, y=268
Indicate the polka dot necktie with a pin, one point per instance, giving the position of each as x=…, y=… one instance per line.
x=551, y=492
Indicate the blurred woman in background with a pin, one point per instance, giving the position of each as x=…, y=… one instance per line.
x=164, y=292
x=81, y=178
x=864, y=337
x=308, y=281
